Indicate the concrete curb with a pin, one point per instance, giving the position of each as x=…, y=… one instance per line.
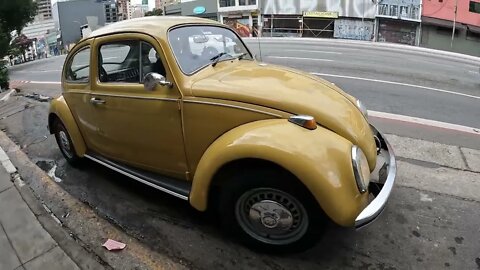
x=371, y=44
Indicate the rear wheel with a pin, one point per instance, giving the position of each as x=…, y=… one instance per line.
x=65, y=143
x=271, y=212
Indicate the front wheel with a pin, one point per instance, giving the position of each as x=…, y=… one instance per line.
x=271, y=212
x=65, y=143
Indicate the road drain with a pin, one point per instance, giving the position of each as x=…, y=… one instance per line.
x=50, y=167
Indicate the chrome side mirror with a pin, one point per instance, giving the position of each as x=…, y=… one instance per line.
x=152, y=79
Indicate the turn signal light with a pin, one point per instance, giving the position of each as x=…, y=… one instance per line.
x=305, y=121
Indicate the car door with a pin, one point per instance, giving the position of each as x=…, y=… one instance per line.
x=133, y=125
x=76, y=83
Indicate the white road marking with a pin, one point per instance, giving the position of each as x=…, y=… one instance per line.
x=474, y=71
x=42, y=82
x=424, y=122
x=38, y=71
x=312, y=51
x=7, y=95
x=301, y=58
x=396, y=83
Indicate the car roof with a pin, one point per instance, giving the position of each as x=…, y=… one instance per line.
x=153, y=25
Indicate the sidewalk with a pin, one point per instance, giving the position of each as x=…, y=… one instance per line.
x=24, y=242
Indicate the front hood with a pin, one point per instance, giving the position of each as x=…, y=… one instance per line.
x=291, y=91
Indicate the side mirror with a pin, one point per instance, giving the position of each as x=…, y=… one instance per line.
x=152, y=79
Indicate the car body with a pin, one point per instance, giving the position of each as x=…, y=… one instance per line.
x=274, y=150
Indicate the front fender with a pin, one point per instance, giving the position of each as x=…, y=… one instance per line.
x=60, y=109
x=319, y=158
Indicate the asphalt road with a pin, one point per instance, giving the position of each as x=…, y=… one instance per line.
x=421, y=227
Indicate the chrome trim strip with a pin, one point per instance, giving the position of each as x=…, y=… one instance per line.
x=137, y=178
x=375, y=208
x=123, y=96
x=136, y=97
x=232, y=106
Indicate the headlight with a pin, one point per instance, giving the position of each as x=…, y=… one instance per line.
x=361, y=170
x=362, y=108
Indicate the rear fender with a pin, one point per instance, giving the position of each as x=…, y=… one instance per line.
x=319, y=158
x=59, y=109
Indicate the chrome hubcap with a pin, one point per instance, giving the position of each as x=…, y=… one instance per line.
x=271, y=216
x=65, y=143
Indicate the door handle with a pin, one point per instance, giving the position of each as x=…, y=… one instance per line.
x=97, y=101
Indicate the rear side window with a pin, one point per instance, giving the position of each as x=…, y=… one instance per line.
x=78, y=69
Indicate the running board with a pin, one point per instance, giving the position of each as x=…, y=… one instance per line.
x=174, y=187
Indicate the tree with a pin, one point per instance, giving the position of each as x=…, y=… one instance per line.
x=154, y=12
x=21, y=44
x=14, y=15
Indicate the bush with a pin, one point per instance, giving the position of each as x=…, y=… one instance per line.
x=4, y=80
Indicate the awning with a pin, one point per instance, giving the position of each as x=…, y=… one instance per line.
x=442, y=23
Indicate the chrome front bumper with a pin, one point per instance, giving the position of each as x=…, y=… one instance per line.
x=382, y=188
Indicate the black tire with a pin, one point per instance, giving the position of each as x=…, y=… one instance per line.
x=304, y=221
x=65, y=144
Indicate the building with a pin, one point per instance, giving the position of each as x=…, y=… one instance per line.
x=71, y=16
x=111, y=11
x=438, y=25
x=44, y=10
x=241, y=15
x=124, y=10
x=347, y=19
x=138, y=11
x=399, y=21
x=159, y=4
x=173, y=8
x=200, y=8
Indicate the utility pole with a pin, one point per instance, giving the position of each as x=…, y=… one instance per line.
x=454, y=23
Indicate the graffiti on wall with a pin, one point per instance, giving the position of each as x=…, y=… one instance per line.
x=353, y=29
x=345, y=8
x=406, y=9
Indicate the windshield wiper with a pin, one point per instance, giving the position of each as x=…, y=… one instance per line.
x=216, y=58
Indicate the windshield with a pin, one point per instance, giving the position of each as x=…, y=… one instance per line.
x=198, y=46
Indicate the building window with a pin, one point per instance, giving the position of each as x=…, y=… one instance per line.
x=247, y=2
x=227, y=3
x=474, y=7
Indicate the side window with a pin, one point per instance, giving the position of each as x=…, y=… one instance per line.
x=151, y=61
x=79, y=67
x=119, y=62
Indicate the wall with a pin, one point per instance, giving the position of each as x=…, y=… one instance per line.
x=353, y=29
x=445, y=10
x=73, y=14
x=345, y=8
x=431, y=38
x=209, y=5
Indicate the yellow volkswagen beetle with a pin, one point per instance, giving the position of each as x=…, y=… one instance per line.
x=181, y=105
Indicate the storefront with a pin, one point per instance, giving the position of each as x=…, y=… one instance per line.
x=200, y=8
x=396, y=31
x=399, y=21
x=244, y=23
x=321, y=19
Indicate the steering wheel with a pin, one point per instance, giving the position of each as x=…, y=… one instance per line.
x=209, y=52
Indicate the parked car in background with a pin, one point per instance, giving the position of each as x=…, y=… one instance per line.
x=181, y=105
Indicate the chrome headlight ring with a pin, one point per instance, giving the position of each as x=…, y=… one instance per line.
x=361, y=169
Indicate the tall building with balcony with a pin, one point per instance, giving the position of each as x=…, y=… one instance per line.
x=124, y=10
x=44, y=11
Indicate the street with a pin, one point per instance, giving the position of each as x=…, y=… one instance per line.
x=431, y=221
